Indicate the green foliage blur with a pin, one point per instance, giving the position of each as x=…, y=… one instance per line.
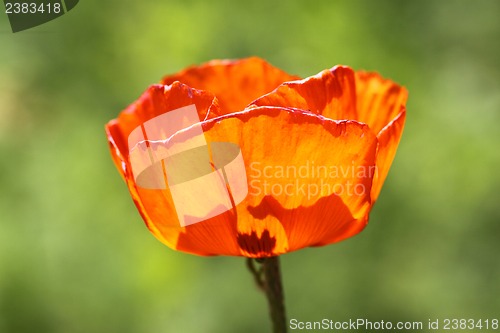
x=75, y=255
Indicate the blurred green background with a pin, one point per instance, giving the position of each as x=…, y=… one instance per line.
x=75, y=255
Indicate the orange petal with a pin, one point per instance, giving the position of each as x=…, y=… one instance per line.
x=117, y=144
x=388, y=139
x=298, y=210
x=235, y=83
x=331, y=93
x=156, y=100
x=378, y=100
x=340, y=93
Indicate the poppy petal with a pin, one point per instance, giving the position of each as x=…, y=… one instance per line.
x=378, y=100
x=331, y=93
x=156, y=100
x=388, y=138
x=236, y=83
x=273, y=220
x=311, y=183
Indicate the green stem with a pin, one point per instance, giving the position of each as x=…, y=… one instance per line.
x=268, y=279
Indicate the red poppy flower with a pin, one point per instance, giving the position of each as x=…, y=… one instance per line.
x=315, y=153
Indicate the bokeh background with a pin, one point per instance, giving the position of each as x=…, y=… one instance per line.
x=75, y=255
